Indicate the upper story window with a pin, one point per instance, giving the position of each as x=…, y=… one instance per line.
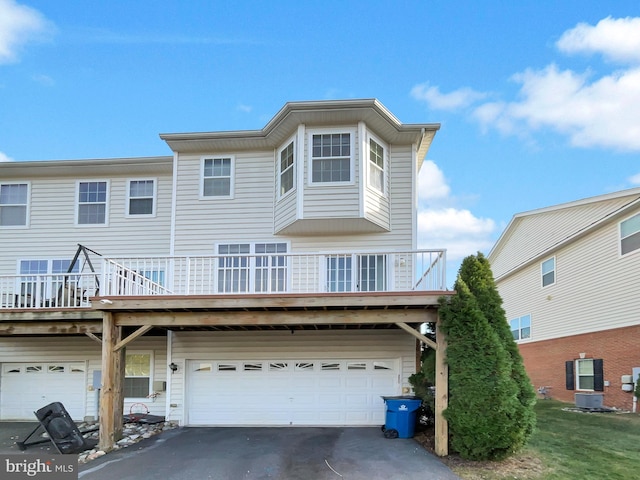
x=331, y=157
x=286, y=169
x=14, y=202
x=630, y=234
x=141, y=197
x=217, y=177
x=92, y=203
x=548, y=269
x=376, y=166
x=521, y=327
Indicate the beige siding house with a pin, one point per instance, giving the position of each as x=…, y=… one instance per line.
x=261, y=277
x=568, y=278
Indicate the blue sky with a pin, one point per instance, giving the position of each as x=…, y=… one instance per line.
x=539, y=101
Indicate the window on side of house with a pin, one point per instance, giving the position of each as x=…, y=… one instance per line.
x=376, y=166
x=548, y=269
x=137, y=375
x=92, y=203
x=585, y=374
x=331, y=158
x=286, y=169
x=14, y=203
x=521, y=327
x=630, y=235
x=141, y=198
x=217, y=177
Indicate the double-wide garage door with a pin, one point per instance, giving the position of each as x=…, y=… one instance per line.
x=27, y=387
x=289, y=392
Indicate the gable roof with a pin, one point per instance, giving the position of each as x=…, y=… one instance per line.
x=535, y=234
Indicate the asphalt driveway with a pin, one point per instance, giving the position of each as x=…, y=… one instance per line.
x=254, y=453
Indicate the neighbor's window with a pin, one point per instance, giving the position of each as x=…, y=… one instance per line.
x=137, y=375
x=13, y=204
x=376, y=166
x=142, y=195
x=286, y=169
x=521, y=327
x=217, y=177
x=630, y=234
x=548, y=272
x=331, y=158
x=92, y=203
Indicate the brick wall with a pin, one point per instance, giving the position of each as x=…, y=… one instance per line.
x=619, y=348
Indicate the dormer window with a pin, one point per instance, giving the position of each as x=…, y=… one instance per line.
x=331, y=157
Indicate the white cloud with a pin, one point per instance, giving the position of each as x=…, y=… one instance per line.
x=635, y=179
x=5, y=158
x=19, y=24
x=442, y=225
x=437, y=100
x=617, y=39
x=244, y=108
x=431, y=183
x=591, y=110
x=44, y=80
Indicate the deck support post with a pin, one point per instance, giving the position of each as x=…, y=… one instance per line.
x=442, y=394
x=112, y=391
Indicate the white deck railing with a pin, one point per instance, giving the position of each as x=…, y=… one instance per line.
x=266, y=273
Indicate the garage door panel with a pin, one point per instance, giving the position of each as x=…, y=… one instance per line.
x=291, y=392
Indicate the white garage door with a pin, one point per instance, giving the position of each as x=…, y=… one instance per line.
x=27, y=387
x=289, y=392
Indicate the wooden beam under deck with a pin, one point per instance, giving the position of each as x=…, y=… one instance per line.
x=312, y=317
x=50, y=328
x=46, y=315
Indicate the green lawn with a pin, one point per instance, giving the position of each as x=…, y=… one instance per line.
x=569, y=446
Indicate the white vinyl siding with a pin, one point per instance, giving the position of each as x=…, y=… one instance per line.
x=630, y=235
x=14, y=204
x=52, y=219
x=93, y=202
x=572, y=308
x=71, y=349
x=283, y=346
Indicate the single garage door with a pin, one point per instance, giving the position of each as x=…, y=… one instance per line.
x=27, y=387
x=289, y=392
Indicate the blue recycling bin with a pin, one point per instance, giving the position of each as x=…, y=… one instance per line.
x=400, y=421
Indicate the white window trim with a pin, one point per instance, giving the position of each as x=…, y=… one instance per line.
x=522, y=340
x=352, y=148
x=151, y=372
x=632, y=252
x=577, y=375
x=279, y=195
x=155, y=198
x=106, y=208
x=28, y=219
x=232, y=176
x=555, y=272
x=385, y=165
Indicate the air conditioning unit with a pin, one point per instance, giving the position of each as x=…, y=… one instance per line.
x=589, y=400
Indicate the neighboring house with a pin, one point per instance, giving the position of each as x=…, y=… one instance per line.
x=266, y=277
x=568, y=276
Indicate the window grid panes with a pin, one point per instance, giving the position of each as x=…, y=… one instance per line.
x=630, y=235
x=13, y=204
x=373, y=273
x=286, y=169
x=339, y=273
x=92, y=203
x=217, y=177
x=331, y=158
x=233, y=270
x=585, y=374
x=521, y=327
x=137, y=373
x=376, y=166
x=270, y=270
x=549, y=272
x=141, y=196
